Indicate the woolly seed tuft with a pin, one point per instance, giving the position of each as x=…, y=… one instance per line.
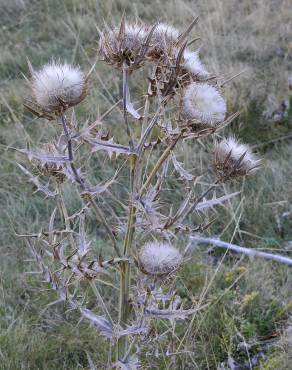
x=58, y=86
x=204, y=104
x=193, y=64
x=157, y=258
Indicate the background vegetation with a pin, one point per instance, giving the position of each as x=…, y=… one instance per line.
x=248, y=322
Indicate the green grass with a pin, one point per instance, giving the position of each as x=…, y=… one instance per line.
x=248, y=301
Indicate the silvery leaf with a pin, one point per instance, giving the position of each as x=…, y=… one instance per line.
x=129, y=105
x=45, y=157
x=215, y=201
x=169, y=314
x=99, y=189
x=40, y=187
x=179, y=168
x=83, y=245
x=131, y=330
x=101, y=323
x=67, y=171
x=109, y=146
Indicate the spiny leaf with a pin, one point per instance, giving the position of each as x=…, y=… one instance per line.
x=100, y=322
x=215, y=201
x=109, y=146
x=45, y=157
x=129, y=105
x=70, y=175
x=40, y=187
x=169, y=314
x=178, y=166
x=99, y=189
x=83, y=245
x=131, y=330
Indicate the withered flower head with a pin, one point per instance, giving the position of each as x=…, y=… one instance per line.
x=204, y=105
x=163, y=42
x=49, y=162
x=193, y=65
x=156, y=258
x=56, y=87
x=125, y=45
x=233, y=159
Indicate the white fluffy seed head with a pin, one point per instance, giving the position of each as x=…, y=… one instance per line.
x=204, y=104
x=233, y=159
x=193, y=64
x=57, y=85
x=166, y=32
x=157, y=258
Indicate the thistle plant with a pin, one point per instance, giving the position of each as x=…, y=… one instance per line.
x=145, y=232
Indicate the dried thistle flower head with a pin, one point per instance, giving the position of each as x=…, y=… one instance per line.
x=163, y=41
x=47, y=163
x=157, y=258
x=204, y=105
x=233, y=159
x=124, y=45
x=193, y=65
x=57, y=87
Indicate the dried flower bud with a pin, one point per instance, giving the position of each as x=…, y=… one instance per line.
x=233, y=159
x=204, y=105
x=193, y=65
x=47, y=167
x=124, y=45
x=56, y=87
x=156, y=258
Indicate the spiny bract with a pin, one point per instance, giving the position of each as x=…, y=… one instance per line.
x=233, y=159
x=124, y=45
